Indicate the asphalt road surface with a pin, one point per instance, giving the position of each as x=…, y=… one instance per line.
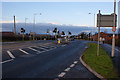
x=46, y=60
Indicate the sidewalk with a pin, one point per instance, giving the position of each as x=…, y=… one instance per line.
x=116, y=59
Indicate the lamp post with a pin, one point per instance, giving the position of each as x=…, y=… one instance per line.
x=34, y=25
x=93, y=20
x=25, y=21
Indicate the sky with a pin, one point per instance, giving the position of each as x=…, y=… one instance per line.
x=119, y=14
x=67, y=13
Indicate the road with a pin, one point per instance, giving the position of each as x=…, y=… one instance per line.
x=46, y=61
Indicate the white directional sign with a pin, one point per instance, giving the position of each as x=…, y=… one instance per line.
x=106, y=20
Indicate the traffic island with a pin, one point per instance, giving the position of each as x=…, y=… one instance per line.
x=101, y=66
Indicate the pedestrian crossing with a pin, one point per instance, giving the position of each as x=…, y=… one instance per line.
x=34, y=50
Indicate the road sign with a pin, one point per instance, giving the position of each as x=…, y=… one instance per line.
x=106, y=20
x=113, y=29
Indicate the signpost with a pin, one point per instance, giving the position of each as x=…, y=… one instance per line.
x=114, y=29
x=107, y=21
x=98, y=25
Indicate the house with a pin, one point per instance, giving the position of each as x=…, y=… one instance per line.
x=6, y=34
x=106, y=36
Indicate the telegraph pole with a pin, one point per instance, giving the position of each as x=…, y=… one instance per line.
x=114, y=29
x=98, y=47
x=14, y=26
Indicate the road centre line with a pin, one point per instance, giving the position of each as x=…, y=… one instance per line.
x=23, y=51
x=67, y=69
x=75, y=62
x=34, y=49
x=72, y=65
x=6, y=61
x=61, y=74
x=10, y=54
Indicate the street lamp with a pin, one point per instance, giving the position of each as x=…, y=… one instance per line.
x=34, y=24
x=34, y=17
x=25, y=21
x=93, y=20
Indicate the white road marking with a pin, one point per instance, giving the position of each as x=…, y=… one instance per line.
x=10, y=54
x=23, y=51
x=75, y=62
x=115, y=48
x=63, y=45
x=42, y=48
x=34, y=49
x=61, y=74
x=6, y=61
x=72, y=65
x=67, y=69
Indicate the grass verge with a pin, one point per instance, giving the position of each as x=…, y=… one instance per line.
x=102, y=64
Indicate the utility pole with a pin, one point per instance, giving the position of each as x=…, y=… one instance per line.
x=113, y=39
x=14, y=26
x=98, y=47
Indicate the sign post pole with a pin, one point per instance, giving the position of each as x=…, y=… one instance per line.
x=98, y=47
x=114, y=29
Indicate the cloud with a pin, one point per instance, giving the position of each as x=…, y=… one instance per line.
x=82, y=25
x=8, y=21
x=54, y=23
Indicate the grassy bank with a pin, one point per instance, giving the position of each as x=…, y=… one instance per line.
x=101, y=64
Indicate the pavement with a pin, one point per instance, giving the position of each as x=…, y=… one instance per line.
x=45, y=61
x=116, y=58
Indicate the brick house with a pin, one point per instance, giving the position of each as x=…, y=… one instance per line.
x=106, y=36
x=6, y=34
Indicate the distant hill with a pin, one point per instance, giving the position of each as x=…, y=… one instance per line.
x=41, y=28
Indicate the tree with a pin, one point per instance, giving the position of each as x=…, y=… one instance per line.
x=63, y=33
x=83, y=35
x=48, y=31
x=89, y=35
x=69, y=33
x=58, y=32
x=55, y=31
x=22, y=31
